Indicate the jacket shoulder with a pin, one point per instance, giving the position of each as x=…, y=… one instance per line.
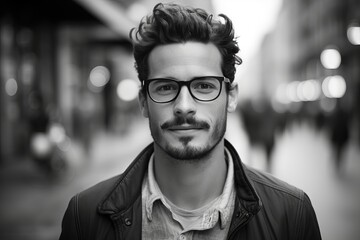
x=93, y=195
x=266, y=182
x=81, y=219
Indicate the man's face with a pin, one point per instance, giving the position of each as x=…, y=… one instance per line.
x=187, y=128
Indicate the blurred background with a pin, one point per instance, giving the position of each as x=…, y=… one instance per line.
x=70, y=117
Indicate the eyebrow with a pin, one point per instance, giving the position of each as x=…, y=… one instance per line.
x=179, y=80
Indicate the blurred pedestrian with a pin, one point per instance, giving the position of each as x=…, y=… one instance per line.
x=339, y=134
x=189, y=183
x=261, y=123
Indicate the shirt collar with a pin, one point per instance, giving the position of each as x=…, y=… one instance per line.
x=152, y=190
x=152, y=193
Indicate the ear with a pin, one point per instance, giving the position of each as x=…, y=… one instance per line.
x=143, y=104
x=233, y=96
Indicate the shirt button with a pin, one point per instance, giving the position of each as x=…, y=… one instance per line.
x=182, y=237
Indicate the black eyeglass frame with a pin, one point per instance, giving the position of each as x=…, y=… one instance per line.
x=145, y=84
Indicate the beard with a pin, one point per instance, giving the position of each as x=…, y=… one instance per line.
x=186, y=150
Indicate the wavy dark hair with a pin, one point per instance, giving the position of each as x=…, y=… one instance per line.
x=172, y=23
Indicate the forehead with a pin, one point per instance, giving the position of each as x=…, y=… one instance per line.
x=185, y=60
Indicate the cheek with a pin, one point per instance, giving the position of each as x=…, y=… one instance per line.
x=153, y=115
x=216, y=114
x=158, y=115
x=218, y=110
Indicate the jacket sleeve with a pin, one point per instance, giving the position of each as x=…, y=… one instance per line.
x=69, y=228
x=309, y=227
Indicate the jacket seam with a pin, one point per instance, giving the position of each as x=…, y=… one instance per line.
x=297, y=194
x=77, y=216
x=298, y=218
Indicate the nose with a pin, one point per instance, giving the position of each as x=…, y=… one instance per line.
x=184, y=104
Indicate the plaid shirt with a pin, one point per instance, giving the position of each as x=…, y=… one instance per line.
x=163, y=220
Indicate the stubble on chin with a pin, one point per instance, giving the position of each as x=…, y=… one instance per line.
x=185, y=141
x=186, y=153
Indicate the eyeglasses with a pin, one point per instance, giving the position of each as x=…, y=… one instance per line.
x=164, y=90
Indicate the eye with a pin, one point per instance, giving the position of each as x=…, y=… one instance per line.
x=163, y=87
x=168, y=87
x=204, y=86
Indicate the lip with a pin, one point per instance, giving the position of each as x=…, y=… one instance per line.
x=184, y=128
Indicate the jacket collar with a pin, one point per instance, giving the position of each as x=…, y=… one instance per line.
x=127, y=189
x=245, y=191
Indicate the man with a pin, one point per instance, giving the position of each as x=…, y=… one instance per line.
x=190, y=183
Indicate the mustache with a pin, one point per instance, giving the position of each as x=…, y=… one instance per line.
x=178, y=121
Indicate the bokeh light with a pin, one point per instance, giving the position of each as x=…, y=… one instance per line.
x=57, y=133
x=40, y=144
x=330, y=58
x=98, y=78
x=292, y=91
x=11, y=87
x=334, y=86
x=127, y=90
x=309, y=90
x=353, y=33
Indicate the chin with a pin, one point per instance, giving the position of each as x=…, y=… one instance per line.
x=187, y=153
x=189, y=149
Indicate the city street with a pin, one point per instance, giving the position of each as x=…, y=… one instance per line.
x=32, y=205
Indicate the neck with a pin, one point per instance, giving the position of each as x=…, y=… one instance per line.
x=190, y=184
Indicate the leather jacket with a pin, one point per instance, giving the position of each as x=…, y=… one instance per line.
x=265, y=208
